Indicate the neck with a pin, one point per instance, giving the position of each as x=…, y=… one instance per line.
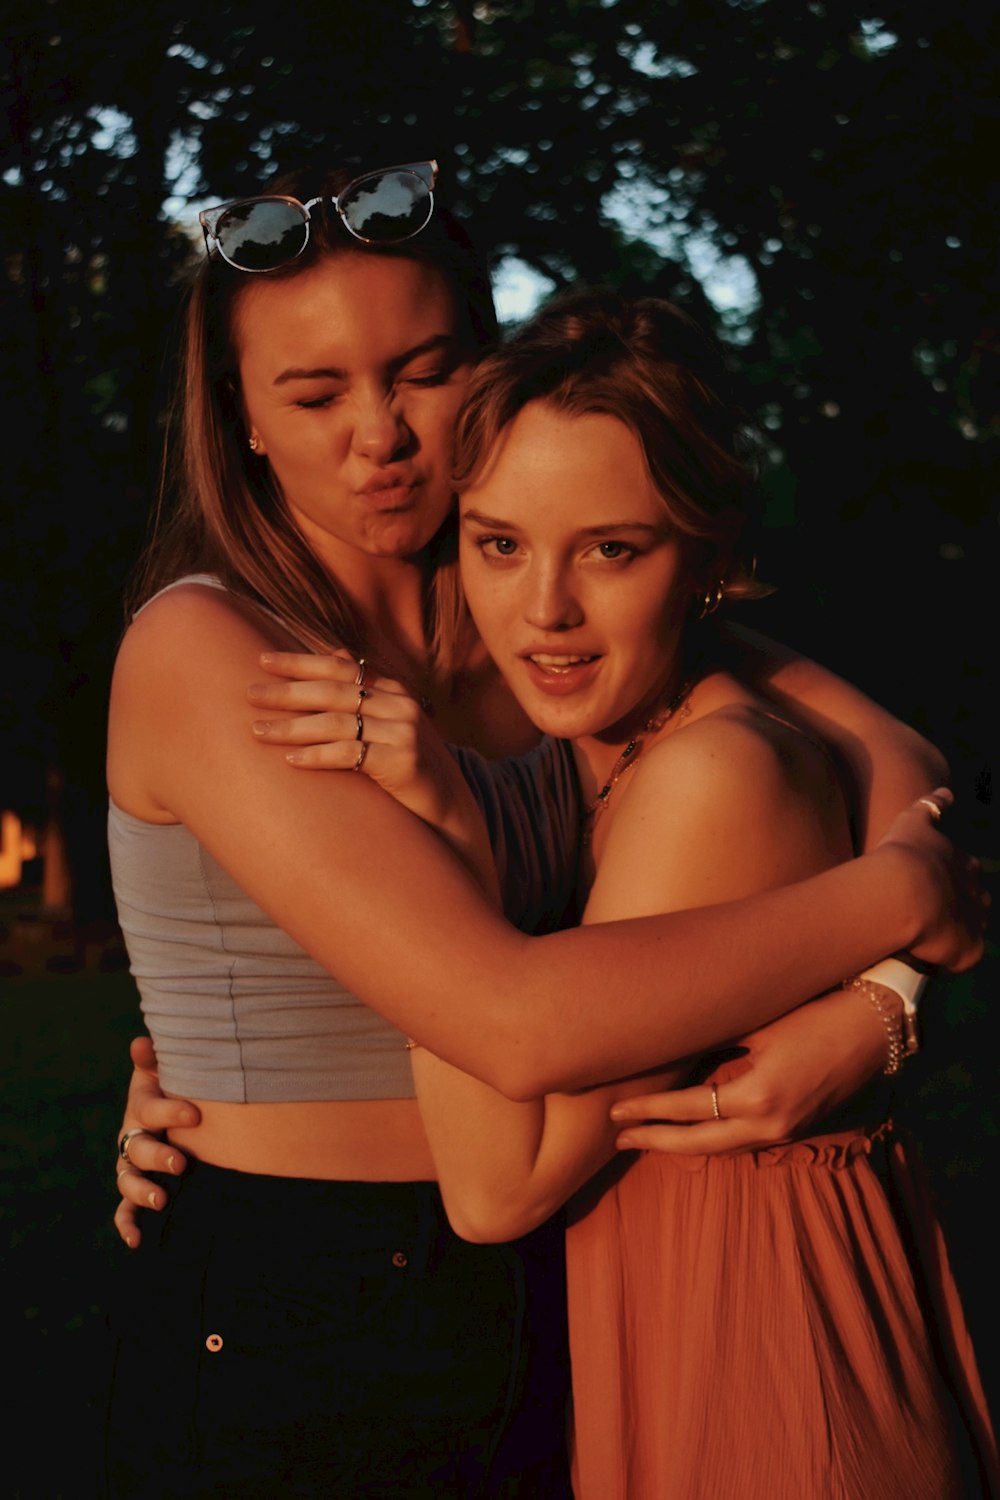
x=603, y=758
x=388, y=594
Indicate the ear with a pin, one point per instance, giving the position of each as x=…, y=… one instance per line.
x=256, y=443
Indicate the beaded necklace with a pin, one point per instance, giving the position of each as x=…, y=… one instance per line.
x=632, y=751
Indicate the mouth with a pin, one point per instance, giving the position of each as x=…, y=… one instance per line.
x=547, y=662
x=559, y=673
x=390, y=493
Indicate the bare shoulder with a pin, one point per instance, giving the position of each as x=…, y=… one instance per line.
x=182, y=672
x=733, y=801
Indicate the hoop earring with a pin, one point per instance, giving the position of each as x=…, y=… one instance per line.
x=711, y=599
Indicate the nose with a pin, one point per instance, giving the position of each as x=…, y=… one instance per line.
x=551, y=602
x=380, y=430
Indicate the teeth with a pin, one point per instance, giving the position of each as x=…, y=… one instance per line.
x=558, y=661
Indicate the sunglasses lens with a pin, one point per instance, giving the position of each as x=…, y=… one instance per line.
x=386, y=206
x=261, y=236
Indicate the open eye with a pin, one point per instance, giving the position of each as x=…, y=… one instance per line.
x=614, y=551
x=497, y=546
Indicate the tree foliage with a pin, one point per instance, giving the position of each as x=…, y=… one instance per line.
x=836, y=167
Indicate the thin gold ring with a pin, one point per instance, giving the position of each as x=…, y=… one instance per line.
x=717, y=1112
x=360, y=732
x=359, y=681
x=361, y=756
x=931, y=807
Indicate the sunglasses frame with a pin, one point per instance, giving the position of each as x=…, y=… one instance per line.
x=208, y=218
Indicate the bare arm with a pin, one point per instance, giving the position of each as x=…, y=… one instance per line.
x=887, y=763
x=718, y=812
x=329, y=857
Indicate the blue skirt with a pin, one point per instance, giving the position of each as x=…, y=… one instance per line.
x=288, y=1337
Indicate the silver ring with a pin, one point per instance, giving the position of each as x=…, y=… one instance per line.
x=717, y=1112
x=123, y=1144
x=931, y=807
x=359, y=681
x=360, y=733
x=361, y=756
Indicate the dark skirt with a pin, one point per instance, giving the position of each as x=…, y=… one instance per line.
x=284, y=1337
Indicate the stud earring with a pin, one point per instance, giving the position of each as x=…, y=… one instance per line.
x=254, y=444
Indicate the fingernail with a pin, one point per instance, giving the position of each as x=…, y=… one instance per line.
x=130, y=1242
x=151, y=1199
x=261, y=726
x=266, y=658
x=625, y=1142
x=188, y=1117
x=617, y=1112
x=295, y=759
x=171, y=1163
x=256, y=689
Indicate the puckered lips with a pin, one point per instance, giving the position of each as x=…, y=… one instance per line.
x=390, y=489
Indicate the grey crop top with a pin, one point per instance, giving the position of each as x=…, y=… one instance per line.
x=238, y=1012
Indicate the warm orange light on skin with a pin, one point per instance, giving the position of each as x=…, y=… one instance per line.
x=351, y=377
x=568, y=552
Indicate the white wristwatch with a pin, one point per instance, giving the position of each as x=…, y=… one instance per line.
x=909, y=984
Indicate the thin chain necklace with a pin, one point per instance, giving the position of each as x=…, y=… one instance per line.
x=632, y=751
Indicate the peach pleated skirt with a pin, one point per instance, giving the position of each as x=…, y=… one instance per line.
x=778, y=1325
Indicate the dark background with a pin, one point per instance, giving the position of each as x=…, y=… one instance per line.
x=847, y=158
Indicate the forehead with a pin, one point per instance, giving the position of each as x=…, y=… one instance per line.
x=355, y=307
x=552, y=463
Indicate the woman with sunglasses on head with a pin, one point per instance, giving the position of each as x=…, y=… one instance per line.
x=745, y=1325
x=303, y=1306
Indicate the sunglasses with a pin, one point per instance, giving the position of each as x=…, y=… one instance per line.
x=380, y=208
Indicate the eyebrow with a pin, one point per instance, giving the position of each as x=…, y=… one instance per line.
x=499, y=523
x=438, y=341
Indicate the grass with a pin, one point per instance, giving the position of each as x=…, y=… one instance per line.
x=63, y=1068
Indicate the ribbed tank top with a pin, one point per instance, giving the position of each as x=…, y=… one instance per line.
x=239, y=1012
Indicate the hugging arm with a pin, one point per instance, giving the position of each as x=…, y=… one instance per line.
x=718, y=811
x=326, y=857
x=886, y=763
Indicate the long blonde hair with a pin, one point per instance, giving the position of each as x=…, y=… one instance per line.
x=220, y=509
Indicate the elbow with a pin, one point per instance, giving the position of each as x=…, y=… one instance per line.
x=483, y=1221
x=933, y=764
x=519, y=1077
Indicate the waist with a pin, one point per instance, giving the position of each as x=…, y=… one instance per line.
x=366, y=1140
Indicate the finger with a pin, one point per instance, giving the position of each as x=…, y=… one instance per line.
x=126, y=1221
x=322, y=727
x=142, y=1054
x=707, y=1139
x=335, y=666
x=148, y=1153
x=680, y=1105
x=139, y=1190
x=151, y=1110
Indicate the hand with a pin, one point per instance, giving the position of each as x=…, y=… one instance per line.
x=798, y=1070
x=149, y=1110
x=379, y=728
x=398, y=747
x=949, y=901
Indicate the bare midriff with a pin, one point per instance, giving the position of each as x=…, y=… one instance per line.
x=367, y=1140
